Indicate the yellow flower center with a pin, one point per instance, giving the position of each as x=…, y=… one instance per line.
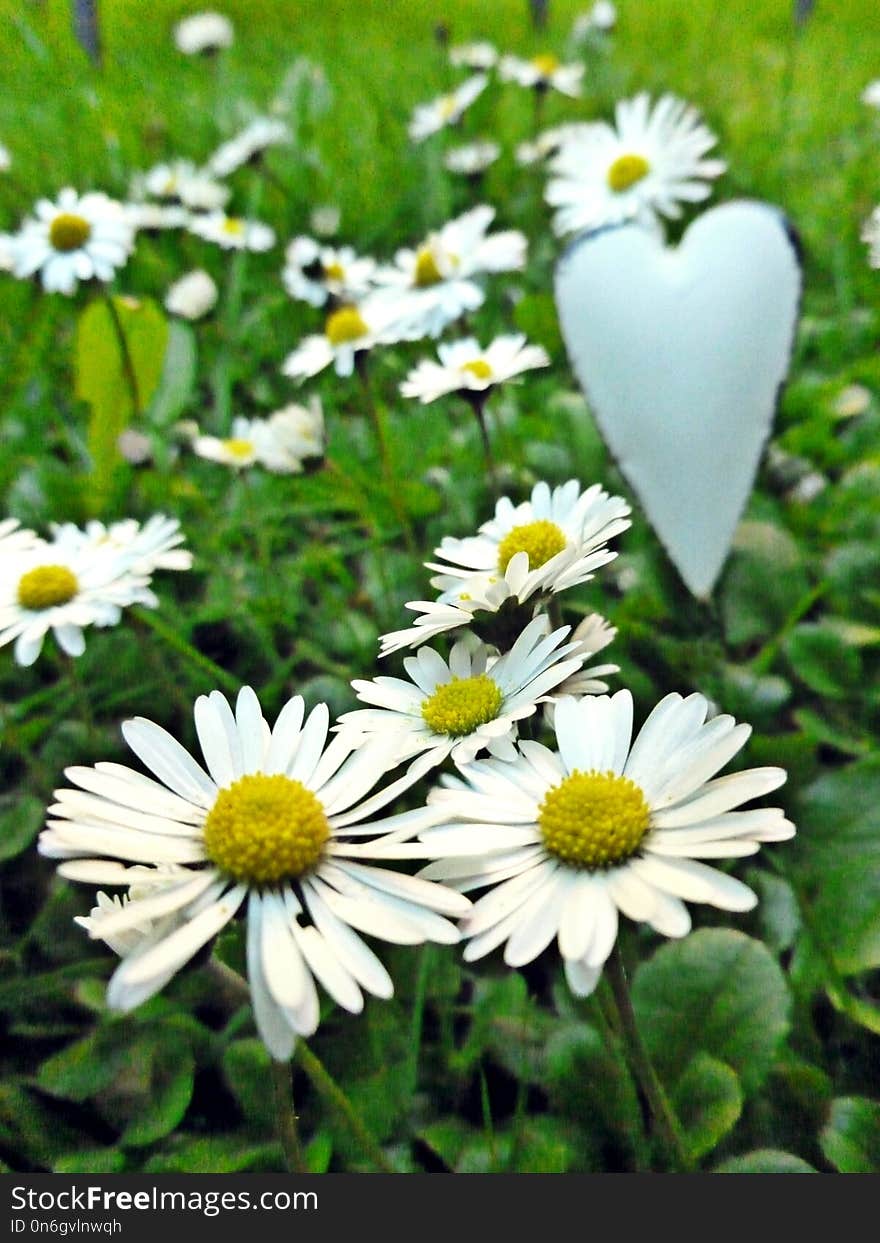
x=457, y=707
x=69, y=232
x=427, y=271
x=546, y=64
x=239, y=448
x=46, y=586
x=232, y=226
x=626, y=171
x=594, y=820
x=334, y=272
x=346, y=324
x=479, y=368
x=448, y=106
x=541, y=540
x=265, y=829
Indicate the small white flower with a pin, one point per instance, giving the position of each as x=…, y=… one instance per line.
x=14, y=537
x=279, y=443
x=5, y=159
x=480, y=55
x=541, y=73
x=185, y=182
x=347, y=331
x=566, y=840
x=602, y=17
x=154, y=546
x=193, y=296
x=324, y=219
x=592, y=635
x=203, y=32
x=871, y=94
x=148, y=217
x=277, y=820
x=446, y=110
x=852, y=400
x=871, y=236
x=315, y=273
x=253, y=140
x=232, y=232
x=471, y=703
x=464, y=365
x=79, y=238
x=645, y=168
x=548, y=141
x=472, y=158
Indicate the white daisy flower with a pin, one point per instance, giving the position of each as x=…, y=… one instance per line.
x=324, y=219
x=472, y=158
x=431, y=286
x=315, y=273
x=871, y=236
x=871, y=94
x=542, y=73
x=479, y=55
x=645, y=166
x=150, y=217
x=278, y=443
x=473, y=702
x=5, y=159
x=601, y=17
x=193, y=296
x=78, y=238
x=203, y=32
x=592, y=635
x=232, y=232
x=154, y=546
x=185, y=182
x=257, y=137
x=16, y=538
x=446, y=110
x=569, y=839
x=548, y=141
x=465, y=365
x=347, y=331
x=277, y=822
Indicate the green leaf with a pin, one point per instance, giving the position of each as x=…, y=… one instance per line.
x=85, y=1068
x=178, y=378
x=19, y=825
x=765, y=581
x=850, y=1139
x=536, y=316
x=765, y=1161
x=823, y=661
x=588, y=1083
x=717, y=992
x=221, y=1154
x=91, y=1161
x=171, y=1088
x=708, y=1101
x=246, y=1067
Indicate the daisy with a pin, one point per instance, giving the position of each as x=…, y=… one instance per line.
x=252, y=141
x=871, y=94
x=324, y=219
x=279, y=443
x=347, y=331
x=549, y=140
x=479, y=55
x=185, y=182
x=591, y=636
x=14, y=537
x=567, y=839
x=5, y=159
x=471, y=703
x=154, y=546
x=79, y=238
x=541, y=73
x=231, y=232
x=471, y=159
x=602, y=17
x=315, y=273
x=274, y=822
x=645, y=166
x=464, y=365
x=150, y=217
x=193, y=296
x=203, y=32
x=434, y=284
x=871, y=236
x=446, y=110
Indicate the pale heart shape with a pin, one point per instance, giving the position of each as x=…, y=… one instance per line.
x=682, y=353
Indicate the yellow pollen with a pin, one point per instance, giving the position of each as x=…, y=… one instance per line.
x=46, y=586
x=626, y=171
x=541, y=540
x=334, y=272
x=427, y=272
x=69, y=232
x=346, y=324
x=233, y=226
x=448, y=106
x=479, y=368
x=266, y=829
x=594, y=820
x=546, y=64
x=457, y=707
x=238, y=448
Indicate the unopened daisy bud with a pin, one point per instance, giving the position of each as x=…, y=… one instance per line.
x=193, y=296
x=203, y=33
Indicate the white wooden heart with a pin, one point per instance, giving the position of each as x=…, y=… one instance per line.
x=681, y=353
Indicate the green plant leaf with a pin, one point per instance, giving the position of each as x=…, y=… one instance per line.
x=708, y=1101
x=850, y=1138
x=170, y=1092
x=764, y=582
x=178, y=376
x=765, y=1161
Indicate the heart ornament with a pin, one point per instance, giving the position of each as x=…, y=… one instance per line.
x=682, y=353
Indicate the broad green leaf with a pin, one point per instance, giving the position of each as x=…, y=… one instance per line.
x=717, y=992
x=91, y=1161
x=765, y=1161
x=178, y=376
x=823, y=661
x=587, y=1082
x=246, y=1067
x=169, y=1095
x=19, y=825
x=81, y=1070
x=764, y=582
x=851, y=1137
x=221, y=1154
x=708, y=1101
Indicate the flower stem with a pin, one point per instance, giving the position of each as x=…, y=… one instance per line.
x=378, y=421
x=285, y=1118
x=477, y=402
x=665, y=1121
x=195, y=657
x=127, y=362
x=327, y=1086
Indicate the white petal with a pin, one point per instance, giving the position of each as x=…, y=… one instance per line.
x=351, y=951
x=693, y=881
x=275, y=1031
x=171, y=762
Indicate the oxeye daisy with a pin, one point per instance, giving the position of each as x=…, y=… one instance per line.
x=446, y=110
x=549, y=140
x=155, y=545
x=601, y=18
x=193, y=296
x=257, y=137
x=478, y=55
x=156, y=217
x=871, y=236
x=347, y=331
x=542, y=73
x=592, y=635
x=77, y=238
x=185, y=182
x=232, y=232
x=275, y=823
x=568, y=839
x=470, y=703
x=465, y=366
x=472, y=158
x=643, y=167
x=316, y=274
x=203, y=33
x=279, y=443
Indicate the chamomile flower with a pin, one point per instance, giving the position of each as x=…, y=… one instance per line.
x=232, y=232
x=446, y=110
x=315, y=273
x=153, y=217
x=77, y=238
x=643, y=167
x=279, y=443
x=871, y=236
x=601, y=18
x=347, y=331
x=203, y=33
x=274, y=822
x=257, y=137
x=478, y=55
x=547, y=141
x=471, y=703
x=155, y=545
x=429, y=287
x=324, y=219
x=542, y=73
x=569, y=839
x=193, y=296
x=591, y=636
x=184, y=182
x=472, y=158
x=465, y=366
